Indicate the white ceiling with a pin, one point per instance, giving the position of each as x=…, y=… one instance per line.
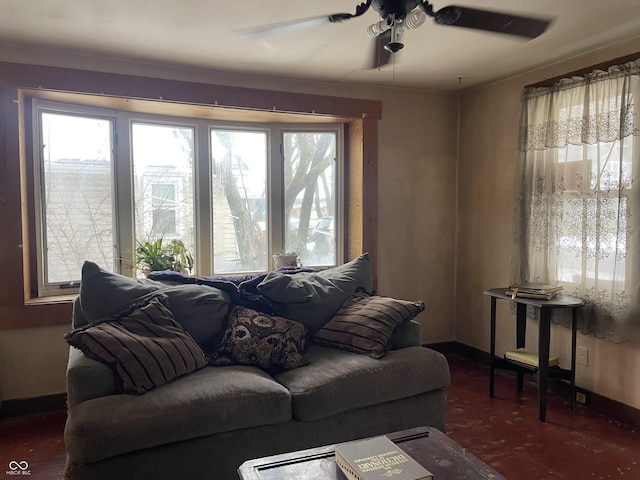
x=201, y=34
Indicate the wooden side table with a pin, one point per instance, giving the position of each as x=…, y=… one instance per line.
x=544, y=334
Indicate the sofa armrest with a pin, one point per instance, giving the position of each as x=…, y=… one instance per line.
x=409, y=335
x=88, y=378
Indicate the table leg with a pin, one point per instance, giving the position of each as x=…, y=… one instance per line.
x=574, y=330
x=544, y=335
x=521, y=334
x=493, y=347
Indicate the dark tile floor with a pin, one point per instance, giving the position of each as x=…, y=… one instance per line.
x=503, y=432
x=35, y=439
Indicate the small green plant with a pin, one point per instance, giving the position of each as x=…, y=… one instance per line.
x=153, y=256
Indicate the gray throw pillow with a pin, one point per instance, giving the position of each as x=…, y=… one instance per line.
x=367, y=324
x=104, y=294
x=201, y=310
x=312, y=298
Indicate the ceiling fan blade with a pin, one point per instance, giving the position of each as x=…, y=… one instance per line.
x=381, y=56
x=303, y=22
x=456, y=16
x=288, y=25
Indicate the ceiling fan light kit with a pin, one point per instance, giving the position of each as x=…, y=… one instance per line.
x=398, y=16
x=414, y=19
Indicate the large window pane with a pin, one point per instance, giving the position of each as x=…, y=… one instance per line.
x=592, y=234
x=163, y=183
x=310, y=196
x=77, y=201
x=240, y=232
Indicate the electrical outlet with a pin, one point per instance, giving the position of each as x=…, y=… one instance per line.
x=581, y=398
x=582, y=356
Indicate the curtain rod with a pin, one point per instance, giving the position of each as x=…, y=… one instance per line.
x=583, y=71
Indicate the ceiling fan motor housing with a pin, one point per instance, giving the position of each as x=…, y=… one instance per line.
x=398, y=8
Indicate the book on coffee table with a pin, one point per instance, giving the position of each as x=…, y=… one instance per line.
x=378, y=458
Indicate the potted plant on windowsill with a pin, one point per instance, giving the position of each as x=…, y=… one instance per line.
x=286, y=259
x=154, y=256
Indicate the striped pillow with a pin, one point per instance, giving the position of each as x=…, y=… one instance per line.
x=145, y=346
x=366, y=324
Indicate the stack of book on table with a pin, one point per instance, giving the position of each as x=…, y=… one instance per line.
x=378, y=458
x=528, y=358
x=534, y=290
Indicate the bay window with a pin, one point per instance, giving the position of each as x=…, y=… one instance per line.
x=233, y=193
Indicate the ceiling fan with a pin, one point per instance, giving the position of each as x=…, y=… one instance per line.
x=397, y=16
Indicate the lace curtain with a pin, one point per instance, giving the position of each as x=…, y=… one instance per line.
x=577, y=198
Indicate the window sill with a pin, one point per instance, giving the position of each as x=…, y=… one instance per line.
x=51, y=300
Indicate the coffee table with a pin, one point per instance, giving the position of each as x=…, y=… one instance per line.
x=433, y=449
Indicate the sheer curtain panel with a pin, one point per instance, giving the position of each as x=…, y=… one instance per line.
x=577, y=198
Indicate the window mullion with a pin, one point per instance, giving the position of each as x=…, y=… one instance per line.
x=275, y=189
x=203, y=200
x=124, y=204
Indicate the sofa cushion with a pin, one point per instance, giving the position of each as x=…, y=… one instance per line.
x=104, y=294
x=201, y=310
x=265, y=341
x=367, y=324
x=209, y=401
x=145, y=346
x=336, y=381
x=313, y=298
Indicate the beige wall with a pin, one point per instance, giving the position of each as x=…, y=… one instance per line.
x=489, y=119
x=32, y=362
x=416, y=220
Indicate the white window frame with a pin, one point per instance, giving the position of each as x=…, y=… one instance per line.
x=46, y=288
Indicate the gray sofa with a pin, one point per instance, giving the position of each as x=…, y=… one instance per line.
x=204, y=424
